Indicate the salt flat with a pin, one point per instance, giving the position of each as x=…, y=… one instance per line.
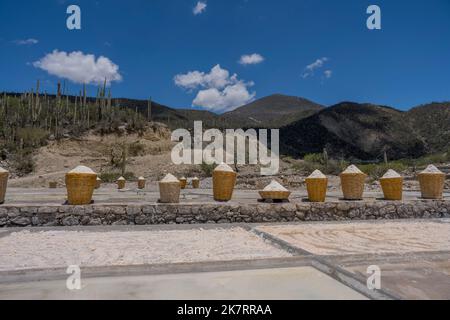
x=61, y=248
x=365, y=237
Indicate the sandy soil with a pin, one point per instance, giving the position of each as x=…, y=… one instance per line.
x=29, y=250
x=362, y=238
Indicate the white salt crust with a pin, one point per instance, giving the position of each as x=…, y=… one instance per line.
x=121, y=179
x=432, y=169
x=169, y=178
x=275, y=186
x=391, y=174
x=317, y=175
x=224, y=167
x=352, y=169
x=141, y=178
x=82, y=169
x=3, y=170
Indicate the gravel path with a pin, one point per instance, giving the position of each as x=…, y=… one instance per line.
x=50, y=249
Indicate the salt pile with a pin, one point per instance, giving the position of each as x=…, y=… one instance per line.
x=121, y=179
x=141, y=178
x=169, y=179
x=432, y=170
x=3, y=170
x=352, y=170
x=317, y=175
x=391, y=174
x=275, y=186
x=82, y=169
x=224, y=168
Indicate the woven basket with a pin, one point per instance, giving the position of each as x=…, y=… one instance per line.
x=121, y=184
x=80, y=187
x=98, y=183
x=432, y=185
x=195, y=183
x=353, y=185
x=53, y=184
x=317, y=189
x=3, y=185
x=183, y=183
x=141, y=184
x=275, y=195
x=169, y=192
x=223, y=185
x=392, y=188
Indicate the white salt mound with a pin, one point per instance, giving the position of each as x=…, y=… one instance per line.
x=391, y=174
x=98, y=179
x=275, y=186
x=317, y=175
x=141, y=178
x=432, y=169
x=82, y=169
x=121, y=179
x=2, y=170
x=169, y=178
x=352, y=169
x=224, y=167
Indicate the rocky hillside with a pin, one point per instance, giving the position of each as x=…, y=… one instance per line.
x=273, y=111
x=352, y=130
x=432, y=123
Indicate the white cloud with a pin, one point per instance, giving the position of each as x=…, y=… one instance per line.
x=328, y=74
x=218, y=90
x=309, y=69
x=79, y=67
x=199, y=8
x=251, y=59
x=26, y=42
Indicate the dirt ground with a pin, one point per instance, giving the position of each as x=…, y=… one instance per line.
x=152, y=161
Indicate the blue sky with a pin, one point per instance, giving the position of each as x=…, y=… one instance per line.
x=147, y=43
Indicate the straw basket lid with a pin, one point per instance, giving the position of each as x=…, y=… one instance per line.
x=170, y=179
x=391, y=174
x=82, y=170
x=317, y=174
x=121, y=179
x=352, y=169
x=223, y=167
x=3, y=170
x=431, y=169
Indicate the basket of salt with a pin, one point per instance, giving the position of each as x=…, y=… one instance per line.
x=392, y=185
x=317, y=184
x=183, y=183
x=196, y=183
x=80, y=184
x=224, y=181
x=98, y=183
x=275, y=191
x=352, y=182
x=169, y=189
x=432, y=183
x=141, y=183
x=121, y=183
x=4, y=174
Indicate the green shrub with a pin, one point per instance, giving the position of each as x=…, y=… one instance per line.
x=112, y=176
x=24, y=162
x=207, y=169
x=136, y=149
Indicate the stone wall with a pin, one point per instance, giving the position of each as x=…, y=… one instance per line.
x=61, y=215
